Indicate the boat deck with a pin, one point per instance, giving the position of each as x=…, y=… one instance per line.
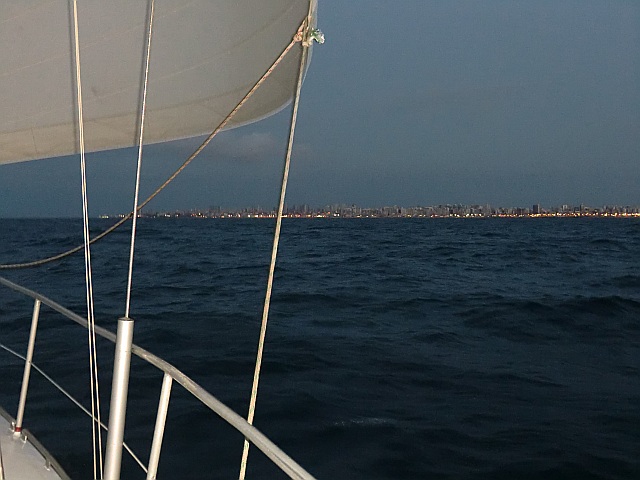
x=25, y=459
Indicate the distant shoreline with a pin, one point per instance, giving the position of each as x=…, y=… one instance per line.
x=241, y=216
x=431, y=211
x=338, y=217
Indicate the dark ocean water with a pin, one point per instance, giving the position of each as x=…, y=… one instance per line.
x=436, y=349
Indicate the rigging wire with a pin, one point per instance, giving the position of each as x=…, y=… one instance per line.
x=137, y=190
x=96, y=433
x=301, y=36
x=196, y=152
x=73, y=400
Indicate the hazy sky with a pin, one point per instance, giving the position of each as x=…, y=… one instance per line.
x=507, y=102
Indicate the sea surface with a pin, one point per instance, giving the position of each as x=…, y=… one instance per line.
x=396, y=348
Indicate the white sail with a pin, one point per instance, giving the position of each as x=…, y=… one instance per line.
x=205, y=56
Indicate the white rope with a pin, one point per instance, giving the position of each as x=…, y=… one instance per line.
x=135, y=200
x=276, y=240
x=93, y=358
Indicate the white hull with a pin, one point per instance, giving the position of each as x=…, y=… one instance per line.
x=23, y=457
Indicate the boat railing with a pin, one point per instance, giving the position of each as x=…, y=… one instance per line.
x=171, y=374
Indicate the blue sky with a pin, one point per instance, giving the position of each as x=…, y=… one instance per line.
x=409, y=102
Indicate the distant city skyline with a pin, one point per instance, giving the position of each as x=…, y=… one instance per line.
x=431, y=211
x=413, y=102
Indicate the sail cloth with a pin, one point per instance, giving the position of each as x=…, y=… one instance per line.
x=205, y=56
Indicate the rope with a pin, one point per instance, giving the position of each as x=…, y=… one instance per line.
x=93, y=359
x=137, y=191
x=276, y=240
x=196, y=152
